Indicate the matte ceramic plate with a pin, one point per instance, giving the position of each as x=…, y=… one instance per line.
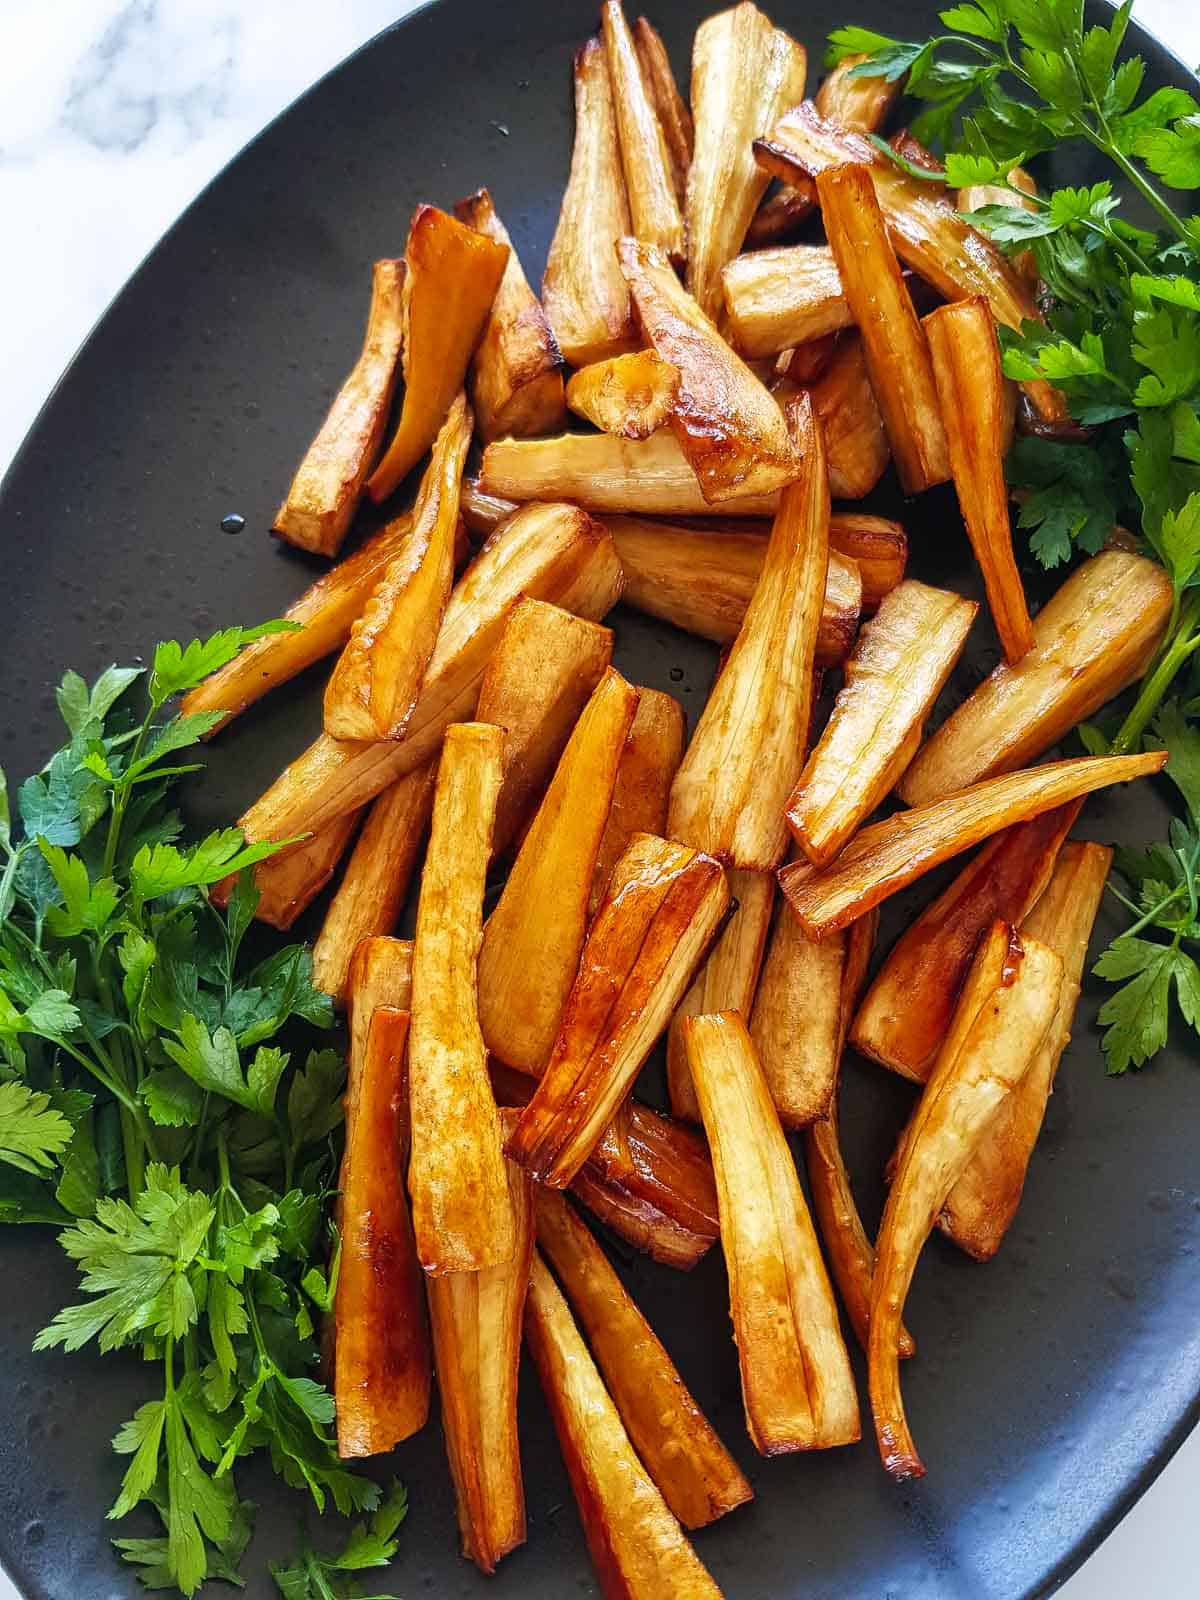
x=1052, y=1384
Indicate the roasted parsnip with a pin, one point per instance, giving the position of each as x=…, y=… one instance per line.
x=1092, y=638
x=887, y=856
x=797, y=1386
x=462, y=1214
x=895, y=672
x=696, y=1475
x=877, y=546
x=748, y=746
x=776, y=299
x=375, y=684
x=381, y=1363
x=983, y=1202
x=781, y=214
x=533, y=938
x=907, y=1010
x=449, y=264
x=649, y=762
x=325, y=492
x=856, y=441
x=1006, y=1010
x=674, y=118
x=289, y=882
x=637, y=1547
x=729, y=428
x=804, y=365
x=860, y=105
x=970, y=385
x=482, y=513
x=654, y=210
x=663, y=906
x=745, y=73
x=630, y=395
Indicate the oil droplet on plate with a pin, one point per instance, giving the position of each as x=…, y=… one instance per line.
x=232, y=523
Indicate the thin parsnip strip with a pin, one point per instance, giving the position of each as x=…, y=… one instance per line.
x=663, y=906
x=325, y=492
x=895, y=672
x=984, y=1201
x=288, y=883
x=856, y=441
x=381, y=1364
x=887, y=856
x=674, y=118
x=796, y=1020
x=533, y=938
x=462, y=1215
x=797, y=1386
x=654, y=210
x=776, y=299
x=877, y=546
x=857, y=104
x=630, y=395
x=906, y=1012
x=516, y=380
x=1092, y=638
x=748, y=746
x=696, y=1475
x=649, y=762
x=1007, y=1007
x=637, y=1547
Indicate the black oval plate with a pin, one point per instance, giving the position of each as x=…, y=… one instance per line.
x=1052, y=1385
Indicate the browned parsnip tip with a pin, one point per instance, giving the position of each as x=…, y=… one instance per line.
x=856, y=441
x=649, y=762
x=631, y=395
x=859, y=105
x=673, y=115
x=320, y=505
x=289, y=882
x=777, y=299
x=877, y=546
x=654, y=211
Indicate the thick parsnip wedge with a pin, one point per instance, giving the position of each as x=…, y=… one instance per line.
x=546, y=666
x=796, y=1020
x=477, y=1319
x=797, y=1386
x=781, y=214
x=856, y=441
x=549, y=552
x=729, y=428
x=449, y=264
x=983, y=1202
x=726, y=982
x=696, y=1475
x=877, y=546
x=887, y=856
x=895, y=672
x=325, y=492
x=584, y=292
x=649, y=762
x=674, y=118
x=860, y=105
x=776, y=299
x=629, y=395
x=663, y=906
x=893, y=343
x=748, y=747
x=381, y=1364
x=637, y=1547
x=654, y=209
x=533, y=938
x=374, y=886
x=970, y=385
x=1007, y=1008
x=1092, y=638
x=462, y=1215
x=516, y=380
x=702, y=579
x=907, y=1010
x=375, y=684
x=288, y=883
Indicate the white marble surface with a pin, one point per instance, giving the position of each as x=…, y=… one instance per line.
x=112, y=117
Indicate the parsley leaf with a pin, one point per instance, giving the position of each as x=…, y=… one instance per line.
x=178, y=668
x=32, y=1131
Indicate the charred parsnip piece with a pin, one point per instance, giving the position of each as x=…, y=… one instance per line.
x=449, y=264
x=856, y=441
x=375, y=684
x=1006, y=1010
x=895, y=672
x=907, y=1010
x=462, y=1214
x=895, y=348
x=630, y=395
x=649, y=762
x=533, y=938
x=1092, y=638
x=637, y=1547
x=674, y=118
x=288, y=883
x=516, y=378
x=381, y=1365
x=877, y=546
x=748, y=746
x=729, y=428
x=776, y=299
x=727, y=980
x=984, y=1201
x=887, y=856
x=745, y=73
x=796, y=1020
x=325, y=492
x=970, y=386
x=797, y=1385
x=696, y=1475
x=649, y=181
x=663, y=906
x=375, y=883
x=546, y=666
x=552, y=552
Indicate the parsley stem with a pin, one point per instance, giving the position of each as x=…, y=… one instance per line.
x=1183, y=644
x=1149, y=916
x=120, y=799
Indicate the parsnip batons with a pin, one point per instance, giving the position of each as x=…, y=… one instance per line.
x=630, y=395
x=859, y=105
x=289, y=882
x=877, y=546
x=674, y=118
x=654, y=211
x=796, y=1020
x=856, y=441
x=649, y=762
x=776, y=299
